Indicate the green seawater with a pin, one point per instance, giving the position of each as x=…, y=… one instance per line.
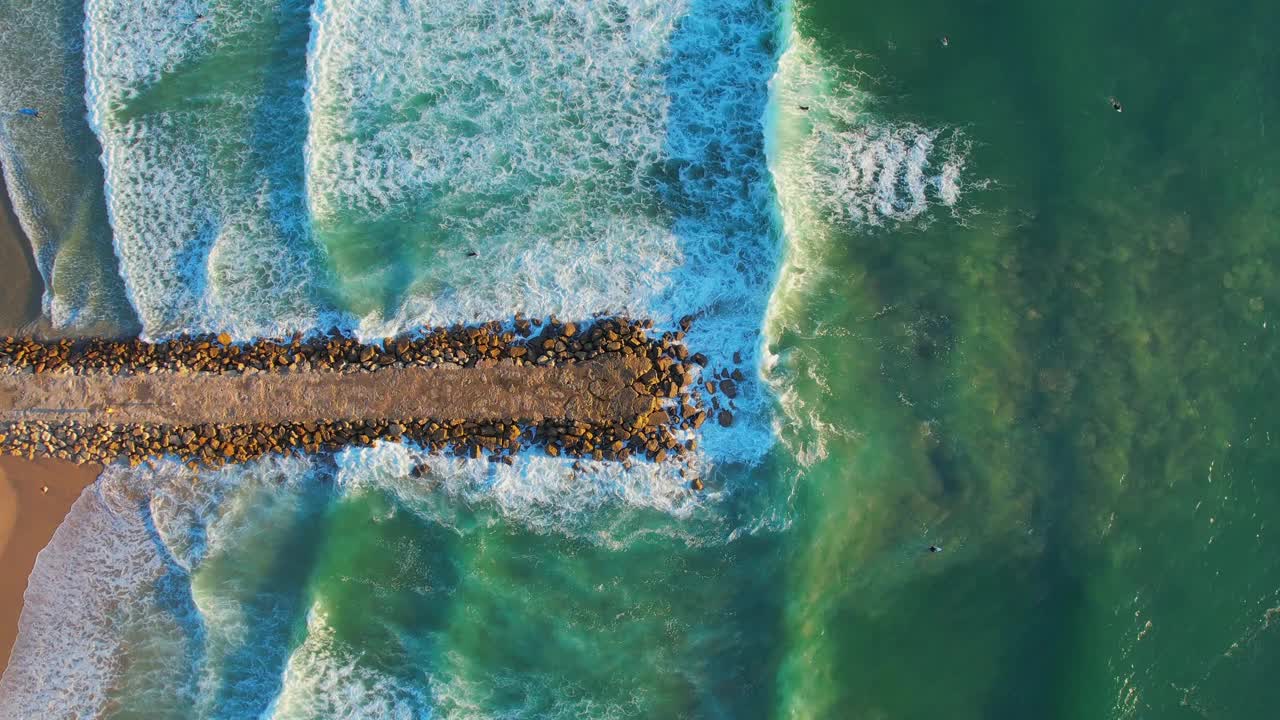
x=1062, y=378
x=1068, y=389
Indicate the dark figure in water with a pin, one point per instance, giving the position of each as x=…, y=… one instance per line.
x=945, y=41
x=935, y=548
x=29, y=112
x=472, y=253
x=1115, y=105
x=803, y=107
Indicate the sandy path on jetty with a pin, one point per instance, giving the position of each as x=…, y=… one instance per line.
x=597, y=390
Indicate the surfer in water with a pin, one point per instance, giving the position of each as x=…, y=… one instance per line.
x=29, y=112
x=935, y=548
x=1115, y=105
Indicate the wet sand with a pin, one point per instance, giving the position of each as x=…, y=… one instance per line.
x=20, y=283
x=28, y=519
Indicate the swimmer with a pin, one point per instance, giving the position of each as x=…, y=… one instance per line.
x=935, y=548
x=803, y=107
x=472, y=253
x=1115, y=105
x=945, y=41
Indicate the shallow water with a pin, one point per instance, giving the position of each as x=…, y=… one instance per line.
x=51, y=167
x=984, y=311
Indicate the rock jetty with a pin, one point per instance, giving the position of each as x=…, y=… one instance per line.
x=611, y=390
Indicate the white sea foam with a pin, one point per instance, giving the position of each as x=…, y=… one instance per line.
x=325, y=679
x=839, y=167
x=203, y=167
x=838, y=162
x=600, y=502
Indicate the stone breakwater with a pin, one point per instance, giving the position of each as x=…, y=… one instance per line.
x=607, y=391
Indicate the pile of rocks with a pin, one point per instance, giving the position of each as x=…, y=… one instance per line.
x=217, y=445
x=529, y=342
x=663, y=433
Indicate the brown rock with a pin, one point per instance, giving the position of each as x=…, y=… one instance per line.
x=725, y=418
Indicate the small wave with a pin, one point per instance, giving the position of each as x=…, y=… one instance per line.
x=154, y=616
x=204, y=166
x=840, y=167
x=837, y=162
x=325, y=679
x=51, y=170
x=601, y=502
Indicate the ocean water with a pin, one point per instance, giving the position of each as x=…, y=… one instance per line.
x=978, y=308
x=51, y=168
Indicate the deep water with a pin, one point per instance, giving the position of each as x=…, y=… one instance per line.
x=985, y=312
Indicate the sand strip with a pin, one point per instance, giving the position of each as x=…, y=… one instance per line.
x=599, y=390
x=28, y=518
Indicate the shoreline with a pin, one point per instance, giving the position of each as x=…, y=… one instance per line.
x=28, y=519
x=21, y=286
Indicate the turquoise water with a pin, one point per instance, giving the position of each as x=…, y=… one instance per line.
x=986, y=311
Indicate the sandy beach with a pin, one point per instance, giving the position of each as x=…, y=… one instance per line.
x=20, y=284
x=28, y=518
